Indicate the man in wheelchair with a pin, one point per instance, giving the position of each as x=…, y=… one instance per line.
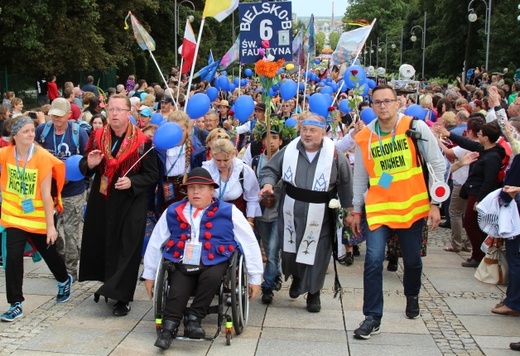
x=199, y=235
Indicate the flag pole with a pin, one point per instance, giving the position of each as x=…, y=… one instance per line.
x=298, y=83
x=164, y=80
x=337, y=94
x=306, y=76
x=194, y=63
x=239, y=76
x=179, y=80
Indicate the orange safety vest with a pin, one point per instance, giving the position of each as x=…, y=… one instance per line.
x=38, y=167
x=406, y=198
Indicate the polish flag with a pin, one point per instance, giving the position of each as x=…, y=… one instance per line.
x=188, y=48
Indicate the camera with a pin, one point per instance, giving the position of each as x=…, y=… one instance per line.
x=32, y=114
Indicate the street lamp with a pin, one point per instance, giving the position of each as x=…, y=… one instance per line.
x=176, y=22
x=472, y=17
x=413, y=38
x=386, y=50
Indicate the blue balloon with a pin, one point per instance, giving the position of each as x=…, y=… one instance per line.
x=231, y=87
x=342, y=85
x=328, y=80
x=301, y=86
x=368, y=115
x=243, y=82
x=72, y=172
x=288, y=89
x=236, y=81
x=156, y=119
x=334, y=86
x=248, y=72
x=222, y=83
x=244, y=107
x=319, y=104
x=224, y=73
x=317, y=61
x=132, y=120
x=416, y=110
x=321, y=84
x=291, y=122
x=167, y=136
x=343, y=106
x=198, y=105
x=280, y=71
x=365, y=88
x=326, y=90
x=354, y=75
x=212, y=93
x=371, y=83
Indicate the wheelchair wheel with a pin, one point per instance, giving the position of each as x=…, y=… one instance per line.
x=239, y=295
x=160, y=293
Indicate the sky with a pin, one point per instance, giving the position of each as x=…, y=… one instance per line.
x=321, y=8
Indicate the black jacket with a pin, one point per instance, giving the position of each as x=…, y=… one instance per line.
x=483, y=174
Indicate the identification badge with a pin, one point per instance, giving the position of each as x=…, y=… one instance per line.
x=385, y=180
x=103, y=185
x=192, y=252
x=169, y=191
x=27, y=206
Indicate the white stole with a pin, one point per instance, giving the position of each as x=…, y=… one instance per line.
x=307, y=251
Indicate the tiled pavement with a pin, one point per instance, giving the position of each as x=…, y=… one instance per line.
x=455, y=318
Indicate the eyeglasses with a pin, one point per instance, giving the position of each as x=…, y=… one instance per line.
x=117, y=110
x=387, y=102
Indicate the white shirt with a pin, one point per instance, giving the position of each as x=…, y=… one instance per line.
x=460, y=175
x=176, y=156
x=233, y=188
x=243, y=235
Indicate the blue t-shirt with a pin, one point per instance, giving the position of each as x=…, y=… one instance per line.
x=62, y=147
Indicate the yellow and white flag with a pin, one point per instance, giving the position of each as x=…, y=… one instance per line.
x=219, y=9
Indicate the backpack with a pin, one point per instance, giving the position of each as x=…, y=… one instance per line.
x=75, y=131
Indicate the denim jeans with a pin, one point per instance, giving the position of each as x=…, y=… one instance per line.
x=268, y=232
x=512, y=299
x=410, y=241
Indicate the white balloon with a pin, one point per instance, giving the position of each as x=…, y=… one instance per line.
x=406, y=71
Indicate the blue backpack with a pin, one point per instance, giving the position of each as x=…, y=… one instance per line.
x=76, y=126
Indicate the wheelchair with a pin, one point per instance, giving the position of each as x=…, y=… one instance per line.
x=233, y=295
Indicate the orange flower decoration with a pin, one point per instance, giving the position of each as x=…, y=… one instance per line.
x=268, y=69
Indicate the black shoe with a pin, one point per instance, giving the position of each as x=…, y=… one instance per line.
x=347, y=259
x=192, y=328
x=121, y=309
x=267, y=296
x=412, y=307
x=278, y=283
x=167, y=333
x=294, y=290
x=367, y=327
x=313, y=302
x=356, y=251
x=445, y=225
x=392, y=264
x=515, y=346
x=471, y=263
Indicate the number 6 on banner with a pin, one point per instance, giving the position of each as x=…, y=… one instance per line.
x=266, y=31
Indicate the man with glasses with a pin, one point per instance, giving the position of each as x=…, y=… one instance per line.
x=64, y=138
x=396, y=200
x=123, y=167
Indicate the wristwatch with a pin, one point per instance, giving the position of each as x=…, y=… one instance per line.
x=498, y=107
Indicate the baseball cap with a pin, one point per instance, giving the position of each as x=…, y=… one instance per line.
x=59, y=107
x=145, y=111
